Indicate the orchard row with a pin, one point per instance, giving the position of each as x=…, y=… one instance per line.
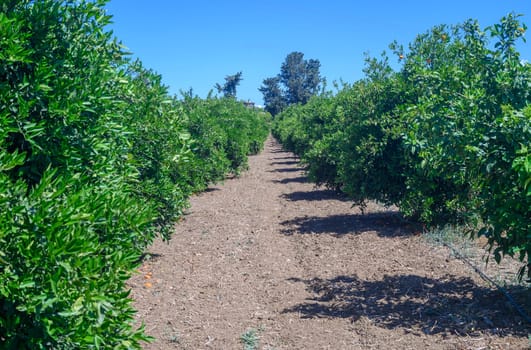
x=96, y=159
x=446, y=137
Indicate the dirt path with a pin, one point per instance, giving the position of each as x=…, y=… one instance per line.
x=269, y=254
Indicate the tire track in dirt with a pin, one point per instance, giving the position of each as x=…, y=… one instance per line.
x=267, y=251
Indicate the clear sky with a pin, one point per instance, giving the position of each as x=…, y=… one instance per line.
x=196, y=43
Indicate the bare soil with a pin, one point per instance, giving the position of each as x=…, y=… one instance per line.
x=269, y=254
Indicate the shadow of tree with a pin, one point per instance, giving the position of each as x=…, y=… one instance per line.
x=292, y=156
x=386, y=224
x=433, y=306
x=148, y=256
x=286, y=170
x=288, y=162
x=211, y=189
x=279, y=150
x=316, y=195
x=299, y=179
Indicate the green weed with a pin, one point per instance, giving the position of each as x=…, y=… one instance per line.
x=250, y=339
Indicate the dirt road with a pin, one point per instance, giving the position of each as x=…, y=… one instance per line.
x=269, y=258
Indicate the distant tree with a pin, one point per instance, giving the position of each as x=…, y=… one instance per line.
x=273, y=98
x=300, y=77
x=231, y=83
x=298, y=81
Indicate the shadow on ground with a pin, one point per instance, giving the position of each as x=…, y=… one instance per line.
x=316, y=195
x=286, y=170
x=147, y=256
x=385, y=224
x=295, y=158
x=298, y=179
x=288, y=162
x=211, y=189
x=280, y=150
x=419, y=304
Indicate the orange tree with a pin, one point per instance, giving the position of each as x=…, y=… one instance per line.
x=70, y=225
x=446, y=138
x=96, y=159
x=468, y=129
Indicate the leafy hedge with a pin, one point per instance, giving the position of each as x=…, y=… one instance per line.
x=96, y=159
x=446, y=138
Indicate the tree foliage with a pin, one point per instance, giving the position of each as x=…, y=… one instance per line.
x=231, y=83
x=300, y=77
x=446, y=138
x=96, y=159
x=273, y=99
x=297, y=82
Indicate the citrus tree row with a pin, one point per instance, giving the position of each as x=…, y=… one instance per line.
x=446, y=137
x=96, y=159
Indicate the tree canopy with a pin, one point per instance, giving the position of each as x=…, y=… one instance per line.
x=273, y=98
x=298, y=81
x=231, y=83
x=300, y=77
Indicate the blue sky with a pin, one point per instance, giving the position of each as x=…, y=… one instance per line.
x=195, y=44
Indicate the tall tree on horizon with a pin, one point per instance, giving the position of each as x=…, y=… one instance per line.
x=273, y=98
x=298, y=81
x=300, y=77
x=231, y=83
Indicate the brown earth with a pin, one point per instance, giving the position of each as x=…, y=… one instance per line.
x=268, y=254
